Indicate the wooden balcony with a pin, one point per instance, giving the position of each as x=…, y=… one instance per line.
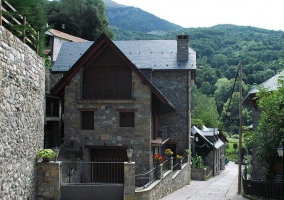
x=160, y=136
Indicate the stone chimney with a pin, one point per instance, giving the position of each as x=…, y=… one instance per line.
x=182, y=47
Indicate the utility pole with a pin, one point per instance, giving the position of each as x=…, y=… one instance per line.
x=240, y=129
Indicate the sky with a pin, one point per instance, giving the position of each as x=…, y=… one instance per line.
x=268, y=14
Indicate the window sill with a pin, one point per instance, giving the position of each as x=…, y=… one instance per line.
x=105, y=101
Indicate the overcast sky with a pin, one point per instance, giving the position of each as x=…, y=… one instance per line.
x=268, y=14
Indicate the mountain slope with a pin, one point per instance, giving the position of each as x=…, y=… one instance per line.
x=128, y=18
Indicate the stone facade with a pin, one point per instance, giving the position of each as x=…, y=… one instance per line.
x=107, y=131
x=168, y=183
x=21, y=116
x=175, y=86
x=215, y=159
x=48, y=178
x=198, y=174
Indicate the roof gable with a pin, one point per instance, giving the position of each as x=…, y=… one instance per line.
x=270, y=84
x=65, y=36
x=93, y=53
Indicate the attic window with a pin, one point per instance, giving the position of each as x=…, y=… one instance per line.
x=107, y=82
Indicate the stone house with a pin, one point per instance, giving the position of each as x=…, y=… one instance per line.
x=53, y=122
x=55, y=38
x=257, y=172
x=126, y=93
x=210, y=144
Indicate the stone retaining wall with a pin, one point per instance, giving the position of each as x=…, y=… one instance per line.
x=22, y=97
x=198, y=174
x=48, y=180
x=169, y=183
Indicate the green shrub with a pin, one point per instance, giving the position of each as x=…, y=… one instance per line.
x=46, y=153
x=235, y=136
x=197, y=162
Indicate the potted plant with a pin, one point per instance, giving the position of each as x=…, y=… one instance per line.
x=186, y=152
x=169, y=153
x=46, y=154
x=158, y=158
x=179, y=157
x=197, y=162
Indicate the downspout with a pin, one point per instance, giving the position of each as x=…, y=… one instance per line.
x=188, y=109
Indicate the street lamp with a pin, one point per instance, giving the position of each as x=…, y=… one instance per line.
x=229, y=113
x=280, y=153
x=129, y=152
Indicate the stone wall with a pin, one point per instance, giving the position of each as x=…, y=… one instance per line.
x=48, y=178
x=175, y=86
x=169, y=183
x=198, y=174
x=21, y=116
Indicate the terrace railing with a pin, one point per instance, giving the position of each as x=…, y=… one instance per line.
x=11, y=19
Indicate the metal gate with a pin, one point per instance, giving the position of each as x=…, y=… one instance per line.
x=82, y=180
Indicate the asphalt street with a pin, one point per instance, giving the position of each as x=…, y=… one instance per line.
x=221, y=187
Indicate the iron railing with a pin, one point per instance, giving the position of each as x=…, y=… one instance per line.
x=264, y=189
x=145, y=179
x=107, y=171
x=166, y=165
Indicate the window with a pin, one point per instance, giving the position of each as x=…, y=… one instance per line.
x=107, y=82
x=87, y=120
x=126, y=119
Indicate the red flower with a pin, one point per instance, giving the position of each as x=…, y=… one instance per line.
x=158, y=157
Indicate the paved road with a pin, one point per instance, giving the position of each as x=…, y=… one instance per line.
x=221, y=187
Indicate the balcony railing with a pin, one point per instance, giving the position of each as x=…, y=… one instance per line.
x=161, y=135
x=10, y=19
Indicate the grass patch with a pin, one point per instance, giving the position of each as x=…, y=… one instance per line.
x=231, y=153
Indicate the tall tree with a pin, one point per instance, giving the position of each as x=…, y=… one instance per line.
x=205, y=109
x=270, y=131
x=34, y=11
x=85, y=18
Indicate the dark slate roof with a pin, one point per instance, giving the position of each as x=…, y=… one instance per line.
x=145, y=54
x=270, y=84
x=69, y=53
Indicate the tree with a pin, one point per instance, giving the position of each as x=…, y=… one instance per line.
x=270, y=131
x=85, y=18
x=35, y=15
x=205, y=109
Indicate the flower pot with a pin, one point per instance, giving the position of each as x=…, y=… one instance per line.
x=157, y=162
x=45, y=160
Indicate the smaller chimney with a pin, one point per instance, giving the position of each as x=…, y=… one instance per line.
x=182, y=47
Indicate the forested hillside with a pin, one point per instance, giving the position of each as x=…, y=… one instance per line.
x=219, y=51
x=135, y=23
